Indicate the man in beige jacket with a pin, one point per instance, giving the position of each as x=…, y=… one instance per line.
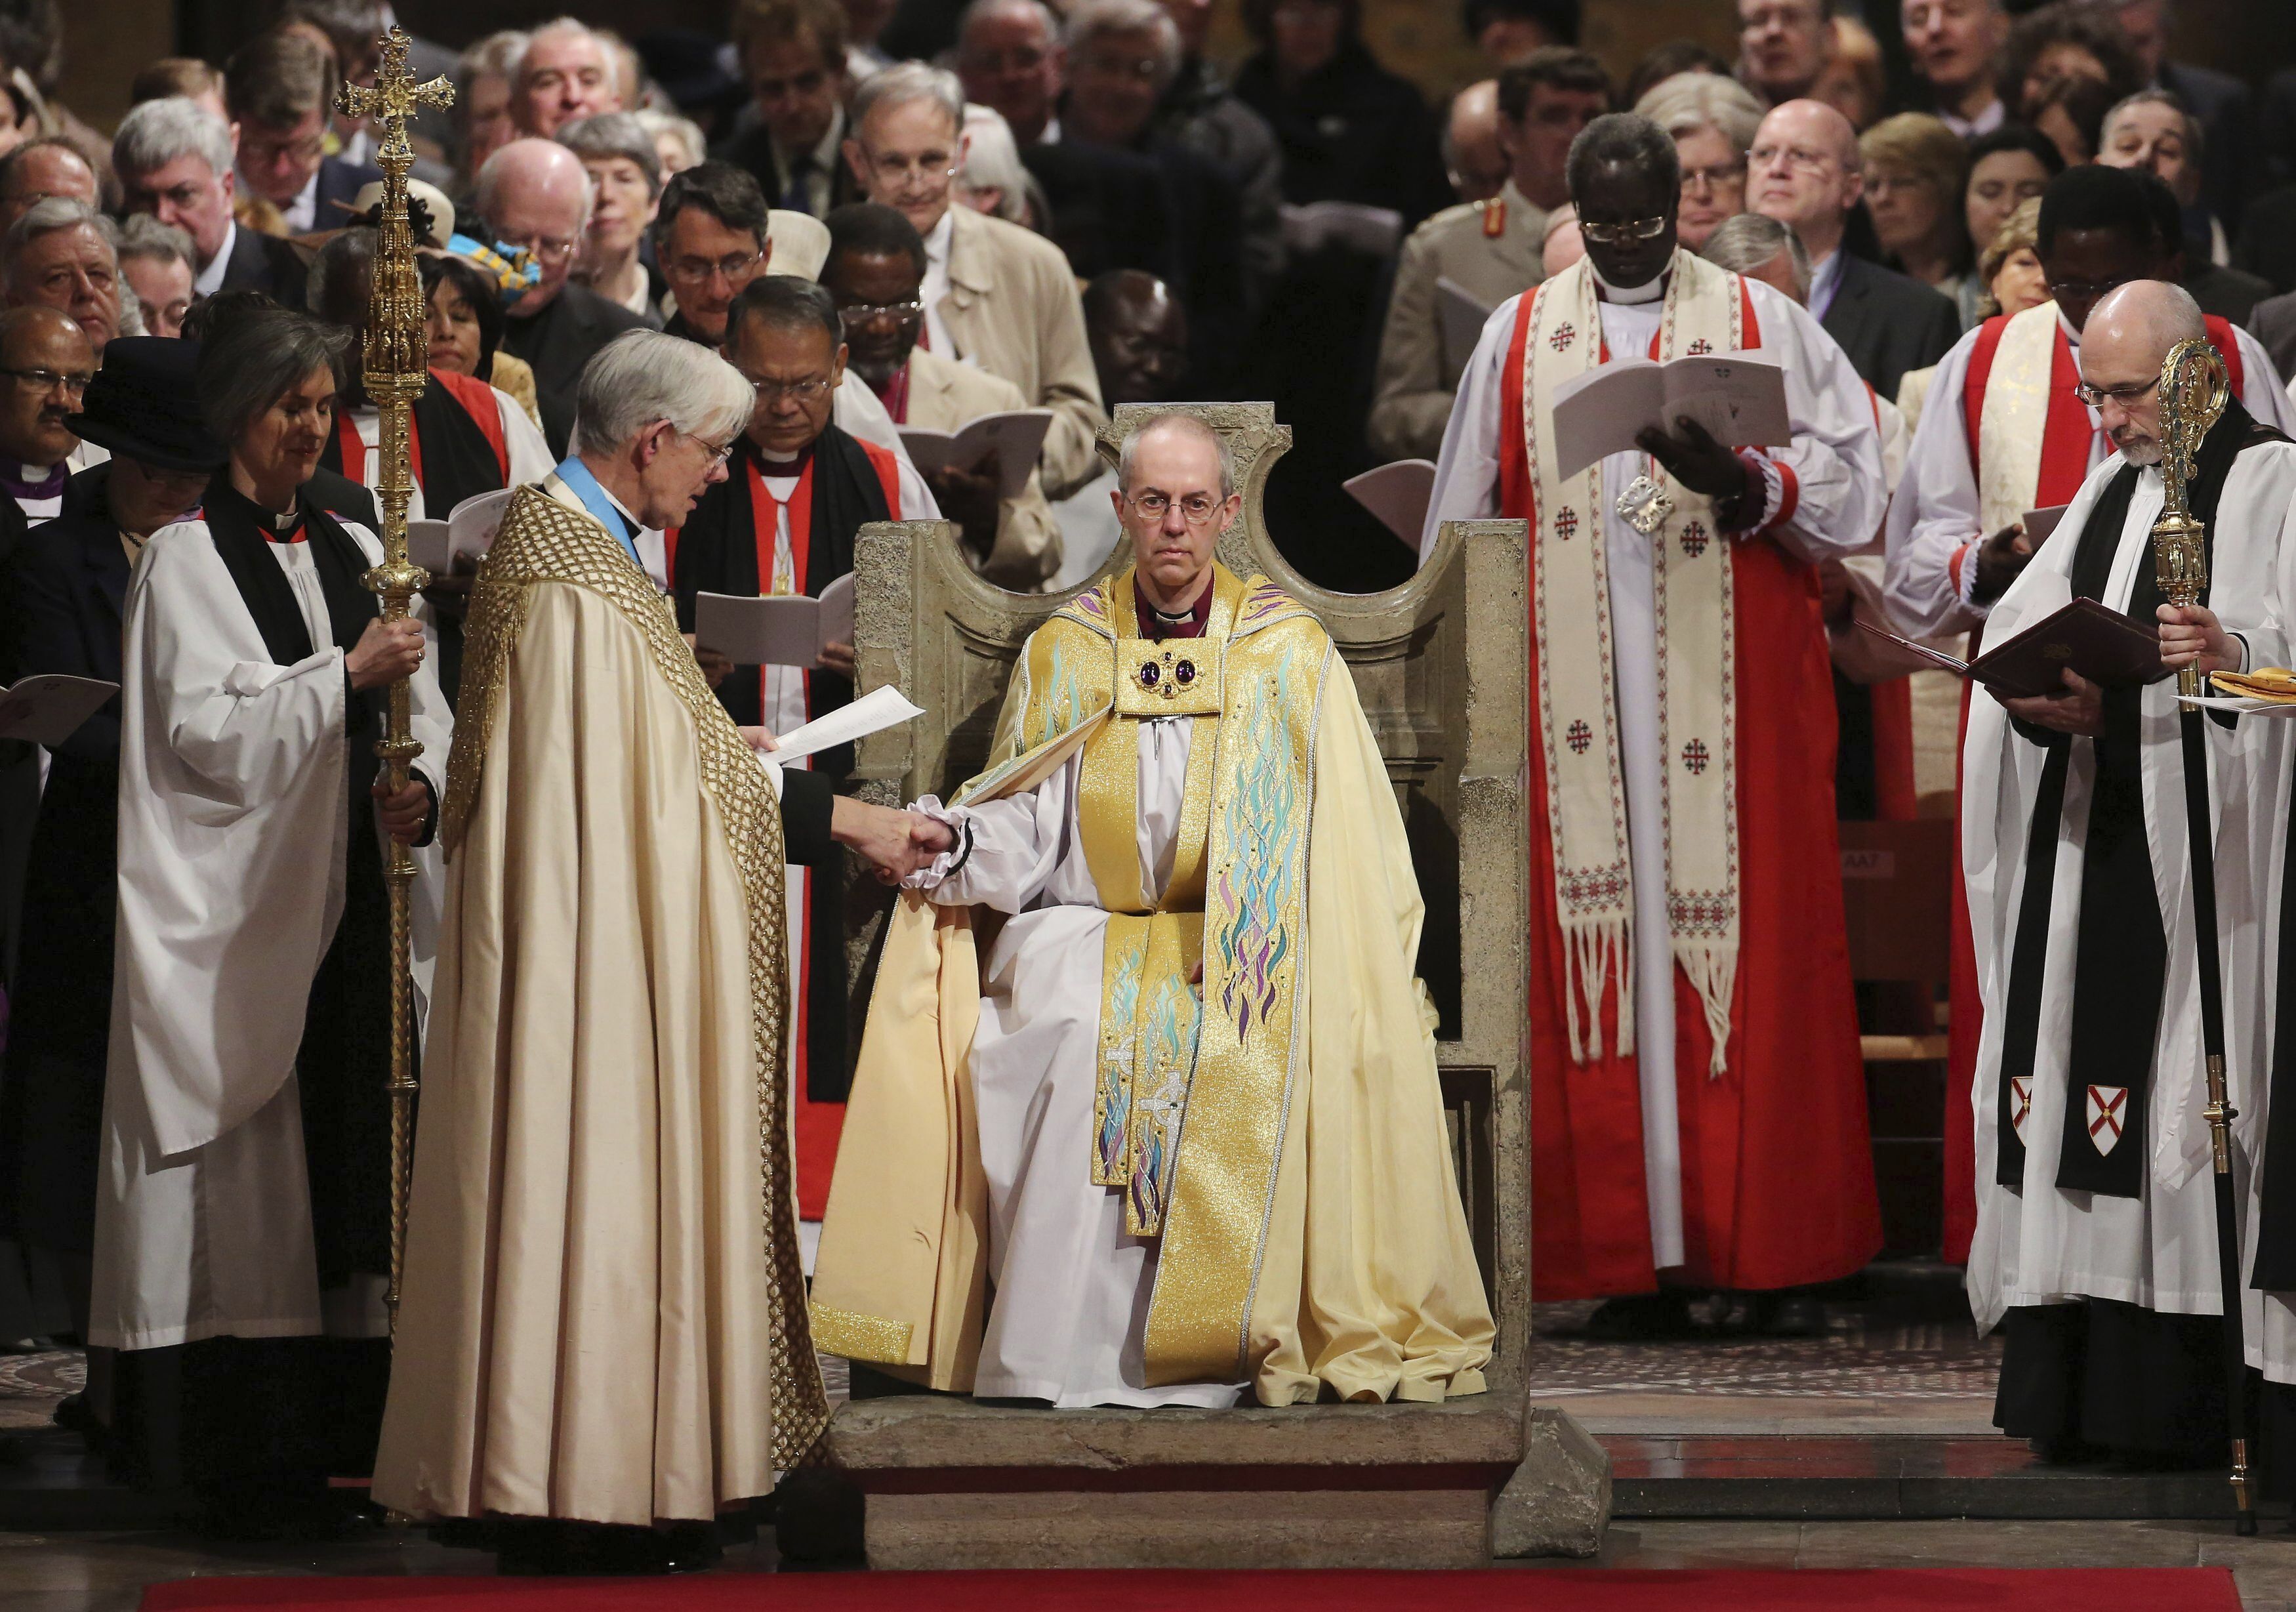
x=1489, y=249
x=995, y=296
x=875, y=268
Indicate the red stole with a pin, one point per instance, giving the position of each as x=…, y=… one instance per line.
x=478, y=400
x=1777, y=1174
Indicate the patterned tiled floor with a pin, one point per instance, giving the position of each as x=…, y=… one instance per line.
x=1876, y=1350
x=30, y=1385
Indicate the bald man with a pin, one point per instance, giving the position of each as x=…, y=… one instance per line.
x=1804, y=170
x=1472, y=156
x=536, y=193
x=2095, y=1245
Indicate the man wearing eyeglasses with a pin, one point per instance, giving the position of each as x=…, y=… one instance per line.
x=1692, y=1009
x=46, y=364
x=876, y=266
x=996, y=295
x=535, y=194
x=605, y=1072
x=1804, y=170
x=1202, y=1147
x=1490, y=249
x=2097, y=1211
x=279, y=87
x=798, y=489
x=175, y=160
x=2006, y=433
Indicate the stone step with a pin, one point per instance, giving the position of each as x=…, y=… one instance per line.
x=1792, y=1478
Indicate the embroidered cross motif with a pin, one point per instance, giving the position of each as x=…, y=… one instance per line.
x=2106, y=1105
x=1695, y=538
x=1563, y=336
x=1701, y=347
x=1566, y=525
x=1578, y=736
x=1695, y=756
x=2021, y=1102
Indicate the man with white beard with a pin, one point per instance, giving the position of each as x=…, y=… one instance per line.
x=2095, y=1250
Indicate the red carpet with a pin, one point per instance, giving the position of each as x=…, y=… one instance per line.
x=1577, y=1589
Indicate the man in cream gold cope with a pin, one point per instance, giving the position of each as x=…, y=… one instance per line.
x=1184, y=1116
x=605, y=1321
x=2095, y=1250
x=1695, y=1040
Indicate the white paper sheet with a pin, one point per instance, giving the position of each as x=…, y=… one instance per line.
x=1463, y=315
x=873, y=712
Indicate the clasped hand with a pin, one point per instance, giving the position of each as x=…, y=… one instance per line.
x=894, y=843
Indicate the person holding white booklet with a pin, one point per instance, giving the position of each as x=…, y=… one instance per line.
x=1692, y=1012
x=605, y=1324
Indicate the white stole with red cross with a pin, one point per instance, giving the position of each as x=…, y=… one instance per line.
x=1577, y=693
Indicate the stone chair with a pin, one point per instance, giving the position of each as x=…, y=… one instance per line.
x=1440, y=665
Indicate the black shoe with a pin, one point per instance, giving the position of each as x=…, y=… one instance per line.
x=1645, y=1318
x=2067, y=1451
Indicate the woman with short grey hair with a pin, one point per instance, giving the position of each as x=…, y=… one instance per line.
x=1761, y=249
x=626, y=184
x=1712, y=121
x=246, y=1168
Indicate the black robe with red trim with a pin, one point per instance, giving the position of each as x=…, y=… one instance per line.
x=727, y=546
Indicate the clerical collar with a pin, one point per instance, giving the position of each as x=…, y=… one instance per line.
x=782, y=469
x=279, y=528
x=23, y=481
x=1188, y=624
x=1628, y=296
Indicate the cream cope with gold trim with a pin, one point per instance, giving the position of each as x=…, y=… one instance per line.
x=604, y=1315
x=1281, y=1130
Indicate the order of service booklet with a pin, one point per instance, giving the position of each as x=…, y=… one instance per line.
x=1016, y=436
x=1740, y=397
x=2094, y=640
x=778, y=630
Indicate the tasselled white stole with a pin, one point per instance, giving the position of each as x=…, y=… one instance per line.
x=1577, y=687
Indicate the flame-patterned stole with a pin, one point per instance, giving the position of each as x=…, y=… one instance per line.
x=1577, y=685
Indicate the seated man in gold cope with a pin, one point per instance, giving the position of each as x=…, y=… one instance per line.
x=1181, y=1110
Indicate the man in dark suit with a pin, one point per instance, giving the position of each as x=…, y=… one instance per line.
x=174, y=161
x=278, y=87
x=1804, y=170
x=793, y=56
x=535, y=193
x=64, y=601
x=2219, y=101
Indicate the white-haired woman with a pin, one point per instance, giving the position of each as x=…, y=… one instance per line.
x=1712, y=120
x=241, y=1221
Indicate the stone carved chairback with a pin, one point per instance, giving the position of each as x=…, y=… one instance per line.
x=1440, y=665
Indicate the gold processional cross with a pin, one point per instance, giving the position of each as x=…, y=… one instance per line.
x=395, y=374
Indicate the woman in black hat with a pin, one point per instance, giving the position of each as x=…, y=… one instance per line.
x=70, y=583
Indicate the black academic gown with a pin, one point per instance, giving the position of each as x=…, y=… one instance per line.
x=717, y=553
x=66, y=605
x=2098, y=1374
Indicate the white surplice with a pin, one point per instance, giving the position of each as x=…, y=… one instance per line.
x=1936, y=510
x=235, y=807
x=1836, y=458
x=1071, y=1289
x=2036, y=1244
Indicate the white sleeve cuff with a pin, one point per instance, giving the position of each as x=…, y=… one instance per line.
x=931, y=875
